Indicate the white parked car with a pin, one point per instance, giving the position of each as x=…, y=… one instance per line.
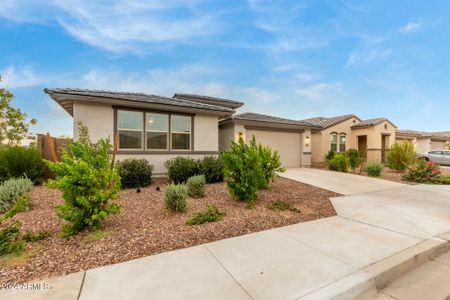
x=441, y=157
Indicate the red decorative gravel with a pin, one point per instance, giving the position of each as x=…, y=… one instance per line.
x=144, y=228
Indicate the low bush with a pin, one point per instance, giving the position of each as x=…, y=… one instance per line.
x=88, y=184
x=30, y=236
x=445, y=178
x=401, y=155
x=175, y=197
x=330, y=155
x=135, y=173
x=212, y=168
x=10, y=241
x=212, y=214
x=373, y=168
x=282, y=205
x=21, y=205
x=180, y=169
x=11, y=190
x=242, y=171
x=270, y=163
x=423, y=171
x=196, y=186
x=339, y=163
x=354, y=158
x=18, y=161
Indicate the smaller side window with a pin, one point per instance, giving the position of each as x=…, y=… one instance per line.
x=342, y=138
x=333, y=142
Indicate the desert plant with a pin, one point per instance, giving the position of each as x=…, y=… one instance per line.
x=11, y=190
x=270, y=163
x=18, y=161
x=282, y=205
x=196, y=186
x=330, y=154
x=175, y=197
x=212, y=214
x=30, y=236
x=180, y=169
x=10, y=241
x=21, y=205
x=241, y=170
x=401, y=155
x=339, y=163
x=445, y=178
x=373, y=168
x=135, y=173
x=87, y=181
x=423, y=172
x=354, y=158
x=212, y=168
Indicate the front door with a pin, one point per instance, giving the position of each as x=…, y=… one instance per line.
x=383, y=147
x=362, y=146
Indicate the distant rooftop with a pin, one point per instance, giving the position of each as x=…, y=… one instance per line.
x=249, y=116
x=328, y=122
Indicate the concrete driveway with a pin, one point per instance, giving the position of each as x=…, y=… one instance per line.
x=342, y=183
x=337, y=257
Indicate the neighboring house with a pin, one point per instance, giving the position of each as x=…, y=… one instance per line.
x=371, y=137
x=425, y=141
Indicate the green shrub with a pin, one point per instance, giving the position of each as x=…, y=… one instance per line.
x=212, y=168
x=373, y=168
x=270, y=163
x=11, y=190
x=30, y=236
x=18, y=161
x=211, y=215
x=241, y=170
x=180, y=169
x=87, y=182
x=175, y=197
x=401, y=155
x=196, y=186
x=10, y=242
x=21, y=205
x=354, y=158
x=330, y=155
x=423, y=171
x=282, y=205
x=135, y=173
x=339, y=163
x=445, y=178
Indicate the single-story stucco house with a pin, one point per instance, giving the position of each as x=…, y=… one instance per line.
x=425, y=141
x=159, y=128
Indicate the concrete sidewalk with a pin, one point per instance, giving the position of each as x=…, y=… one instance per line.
x=340, y=256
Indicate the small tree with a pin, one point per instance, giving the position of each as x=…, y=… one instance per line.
x=13, y=127
x=270, y=163
x=354, y=158
x=401, y=155
x=87, y=181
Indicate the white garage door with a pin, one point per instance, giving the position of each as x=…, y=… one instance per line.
x=286, y=143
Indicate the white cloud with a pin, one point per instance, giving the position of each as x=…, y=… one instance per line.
x=320, y=92
x=19, y=77
x=411, y=27
x=119, y=25
x=368, y=56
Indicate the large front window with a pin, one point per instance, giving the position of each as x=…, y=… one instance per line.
x=162, y=131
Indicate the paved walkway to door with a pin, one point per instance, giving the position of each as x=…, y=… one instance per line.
x=320, y=259
x=342, y=183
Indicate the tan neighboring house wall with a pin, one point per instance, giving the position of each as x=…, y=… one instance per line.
x=423, y=141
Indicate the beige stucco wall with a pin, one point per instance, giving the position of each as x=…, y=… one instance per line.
x=437, y=145
x=206, y=132
x=288, y=144
x=226, y=135
x=99, y=118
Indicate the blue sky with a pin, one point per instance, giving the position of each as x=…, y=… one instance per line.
x=294, y=59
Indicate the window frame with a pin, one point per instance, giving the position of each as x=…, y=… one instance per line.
x=117, y=130
x=144, y=148
x=342, y=134
x=166, y=132
x=336, y=143
x=171, y=132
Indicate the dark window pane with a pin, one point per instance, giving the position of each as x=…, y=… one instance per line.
x=130, y=139
x=181, y=141
x=334, y=147
x=156, y=140
x=342, y=148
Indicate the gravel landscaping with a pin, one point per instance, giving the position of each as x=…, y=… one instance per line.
x=144, y=228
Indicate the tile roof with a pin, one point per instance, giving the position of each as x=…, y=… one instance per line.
x=137, y=97
x=328, y=122
x=194, y=97
x=370, y=122
x=270, y=119
x=416, y=133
